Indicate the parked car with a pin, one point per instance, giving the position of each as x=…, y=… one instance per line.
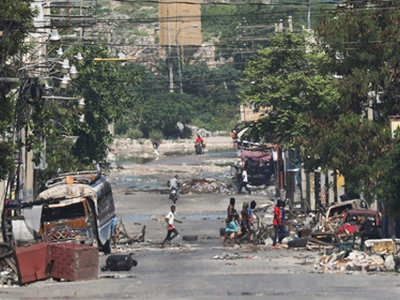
x=365, y=223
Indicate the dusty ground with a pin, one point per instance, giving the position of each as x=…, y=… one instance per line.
x=202, y=269
x=126, y=148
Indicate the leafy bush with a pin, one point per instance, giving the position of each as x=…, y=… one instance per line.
x=134, y=134
x=187, y=133
x=156, y=135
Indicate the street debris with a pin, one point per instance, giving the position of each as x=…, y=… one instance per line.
x=228, y=256
x=348, y=236
x=26, y=263
x=119, y=262
x=61, y=261
x=205, y=185
x=121, y=236
x=357, y=261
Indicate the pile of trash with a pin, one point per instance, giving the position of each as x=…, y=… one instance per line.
x=205, y=185
x=380, y=256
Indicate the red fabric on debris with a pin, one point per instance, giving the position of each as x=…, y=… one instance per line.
x=256, y=155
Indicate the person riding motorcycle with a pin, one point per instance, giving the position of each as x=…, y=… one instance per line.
x=174, y=184
x=199, y=141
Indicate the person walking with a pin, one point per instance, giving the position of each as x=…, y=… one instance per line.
x=252, y=219
x=245, y=222
x=282, y=230
x=244, y=181
x=231, y=228
x=277, y=222
x=232, y=214
x=172, y=232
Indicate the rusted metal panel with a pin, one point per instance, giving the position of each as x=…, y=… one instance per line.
x=33, y=262
x=74, y=262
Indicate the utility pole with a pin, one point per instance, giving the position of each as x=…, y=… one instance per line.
x=169, y=61
x=309, y=15
x=179, y=55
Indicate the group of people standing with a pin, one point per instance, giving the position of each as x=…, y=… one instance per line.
x=245, y=220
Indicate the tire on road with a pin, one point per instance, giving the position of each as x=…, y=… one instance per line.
x=298, y=243
x=106, y=248
x=190, y=238
x=222, y=231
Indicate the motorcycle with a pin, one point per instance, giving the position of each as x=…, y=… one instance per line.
x=199, y=148
x=173, y=195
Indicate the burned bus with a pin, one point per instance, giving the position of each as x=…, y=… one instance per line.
x=76, y=207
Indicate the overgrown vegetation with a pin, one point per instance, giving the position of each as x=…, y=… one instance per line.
x=322, y=96
x=209, y=100
x=15, y=21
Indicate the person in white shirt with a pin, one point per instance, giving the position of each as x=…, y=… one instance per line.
x=244, y=182
x=172, y=232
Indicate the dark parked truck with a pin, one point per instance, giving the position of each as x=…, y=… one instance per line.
x=76, y=207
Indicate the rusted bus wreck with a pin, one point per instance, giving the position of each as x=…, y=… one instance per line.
x=75, y=207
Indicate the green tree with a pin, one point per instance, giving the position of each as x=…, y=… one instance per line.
x=106, y=88
x=242, y=29
x=387, y=169
x=73, y=145
x=284, y=78
x=362, y=46
x=163, y=112
x=15, y=22
x=217, y=105
x=209, y=100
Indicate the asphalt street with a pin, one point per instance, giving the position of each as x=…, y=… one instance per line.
x=203, y=269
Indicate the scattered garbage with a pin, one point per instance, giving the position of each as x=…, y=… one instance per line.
x=205, y=185
x=228, y=256
x=356, y=261
x=121, y=236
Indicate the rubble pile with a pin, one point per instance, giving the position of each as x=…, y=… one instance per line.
x=379, y=256
x=205, y=185
x=344, y=234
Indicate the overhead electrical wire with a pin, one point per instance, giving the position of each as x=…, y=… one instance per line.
x=229, y=18
x=304, y=5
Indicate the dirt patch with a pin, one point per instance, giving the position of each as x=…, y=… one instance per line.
x=125, y=148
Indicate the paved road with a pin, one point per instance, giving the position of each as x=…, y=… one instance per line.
x=204, y=269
